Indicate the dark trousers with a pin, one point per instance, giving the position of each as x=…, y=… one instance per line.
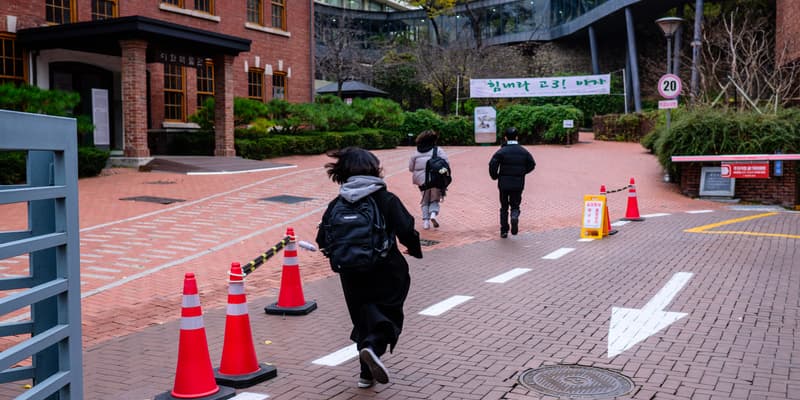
x=509, y=199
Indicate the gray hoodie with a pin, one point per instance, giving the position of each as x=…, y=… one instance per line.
x=359, y=186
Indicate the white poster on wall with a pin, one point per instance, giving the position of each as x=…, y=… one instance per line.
x=540, y=87
x=100, y=117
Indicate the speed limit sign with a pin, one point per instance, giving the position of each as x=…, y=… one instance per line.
x=669, y=86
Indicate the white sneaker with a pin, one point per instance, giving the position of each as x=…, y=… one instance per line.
x=434, y=221
x=426, y=224
x=364, y=383
x=379, y=371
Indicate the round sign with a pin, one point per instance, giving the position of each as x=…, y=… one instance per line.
x=669, y=86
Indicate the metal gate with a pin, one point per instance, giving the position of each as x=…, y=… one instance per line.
x=40, y=314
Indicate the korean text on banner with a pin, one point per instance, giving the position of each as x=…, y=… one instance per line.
x=540, y=87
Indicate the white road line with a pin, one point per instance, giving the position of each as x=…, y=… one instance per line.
x=250, y=396
x=620, y=223
x=699, y=211
x=655, y=215
x=444, y=306
x=585, y=240
x=503, y=278
x=338, y=356
x=558, y=253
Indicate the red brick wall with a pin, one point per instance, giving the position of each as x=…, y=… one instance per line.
x=295, y=50
x=787, y=45
x=781, y=190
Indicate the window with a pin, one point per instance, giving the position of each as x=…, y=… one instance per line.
x=205, y=83
x=104, y=9
x=255, y=84
x=254, y=14
x=12, y=67
x=279, y=85
x=59, y=11
x=174, y=92
x=206, y=6
x=176, y=3
x=279, y=14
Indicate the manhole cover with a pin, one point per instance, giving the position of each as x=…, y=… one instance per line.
x=427, y=242
x=285, y=198
x=576, y=381
x=151, y=199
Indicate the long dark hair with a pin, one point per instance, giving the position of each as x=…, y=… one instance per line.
x=352, y=161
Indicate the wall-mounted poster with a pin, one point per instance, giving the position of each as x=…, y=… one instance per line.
x=713, y=184
x=485, y=125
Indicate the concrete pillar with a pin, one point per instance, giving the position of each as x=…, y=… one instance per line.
x=634, y=63
x=223, y=103
x=134, y=98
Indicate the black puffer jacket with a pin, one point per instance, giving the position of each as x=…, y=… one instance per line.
x=509, y=165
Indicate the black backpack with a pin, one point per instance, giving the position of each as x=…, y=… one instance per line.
x=356, y=235
x=437, y=172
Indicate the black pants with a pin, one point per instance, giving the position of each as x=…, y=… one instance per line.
x=509, y=199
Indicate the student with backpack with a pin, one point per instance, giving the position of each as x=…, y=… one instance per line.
x=358, y=233
x=430, y=170
x=508, y=167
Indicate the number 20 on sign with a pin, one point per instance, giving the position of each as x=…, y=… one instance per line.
x=594, y=223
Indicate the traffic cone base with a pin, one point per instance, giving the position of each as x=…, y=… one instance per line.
x=275, y=309
x=264, y=372
x=224, y=392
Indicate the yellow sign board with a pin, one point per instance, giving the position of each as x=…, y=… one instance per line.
x=594, y=225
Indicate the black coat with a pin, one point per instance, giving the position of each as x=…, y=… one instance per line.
x=509, y=165
x=375, y=297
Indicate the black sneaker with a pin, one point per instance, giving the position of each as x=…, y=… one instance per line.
x=503, y=235
x=514, y=226
x=379, y=371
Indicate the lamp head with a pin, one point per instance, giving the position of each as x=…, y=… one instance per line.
x=669, y=25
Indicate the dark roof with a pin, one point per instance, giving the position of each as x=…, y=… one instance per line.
x=352, y=88
x=103, y=37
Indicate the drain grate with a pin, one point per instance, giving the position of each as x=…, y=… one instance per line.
x=151, y=199
x=285, y=198
x=576, y=381
x=427, y=242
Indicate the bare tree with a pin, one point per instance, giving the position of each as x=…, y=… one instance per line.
x=741, y=61
x=338, y=58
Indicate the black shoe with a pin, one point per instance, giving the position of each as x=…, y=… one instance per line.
x=514, y=226
x=379, y=371
x=503, y=235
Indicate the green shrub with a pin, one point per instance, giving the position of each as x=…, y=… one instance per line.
x=457, y=131
x=275, y=145
x=12, y=167
x=538, y=124
x=624, y=127
x=420, y=120
x=338, y=114
x=714, y=132
x=378, y=112
x=32, y=99
x=91, y=161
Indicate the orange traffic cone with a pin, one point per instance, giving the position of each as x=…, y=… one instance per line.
x=606, y=216
x=290, y=296
x=239, y=367
x=632, y=212
x=194, y=377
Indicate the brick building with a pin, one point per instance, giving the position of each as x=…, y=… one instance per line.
x=144, y=66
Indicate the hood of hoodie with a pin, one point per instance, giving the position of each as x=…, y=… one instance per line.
x=359, y=186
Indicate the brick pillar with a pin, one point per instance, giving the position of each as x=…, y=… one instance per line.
x=134, y=97
x=223, y=101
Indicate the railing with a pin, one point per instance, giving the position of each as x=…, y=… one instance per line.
x=46, y=339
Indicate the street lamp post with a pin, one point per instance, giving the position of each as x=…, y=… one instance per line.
x=669, y=25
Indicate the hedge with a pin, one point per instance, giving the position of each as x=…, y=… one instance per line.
x=91, y=162
x=275, y=145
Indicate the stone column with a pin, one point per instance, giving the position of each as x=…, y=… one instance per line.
x=134, y=98
x=223, y=103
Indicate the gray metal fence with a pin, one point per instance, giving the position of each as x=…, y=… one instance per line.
x=40, y=314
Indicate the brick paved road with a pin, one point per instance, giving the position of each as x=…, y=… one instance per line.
x=134, y=256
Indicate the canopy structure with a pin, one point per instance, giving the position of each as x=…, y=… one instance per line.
x=352, y=89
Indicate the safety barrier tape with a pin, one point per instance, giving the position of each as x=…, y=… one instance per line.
x=619, y=190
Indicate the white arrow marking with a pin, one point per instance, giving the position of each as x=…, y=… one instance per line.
x=630, y=326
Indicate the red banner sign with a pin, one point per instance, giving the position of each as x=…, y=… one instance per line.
x=745, y=170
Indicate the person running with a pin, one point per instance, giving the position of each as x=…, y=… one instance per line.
x=431, y=197
x=508, y=167
x=374, y=295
